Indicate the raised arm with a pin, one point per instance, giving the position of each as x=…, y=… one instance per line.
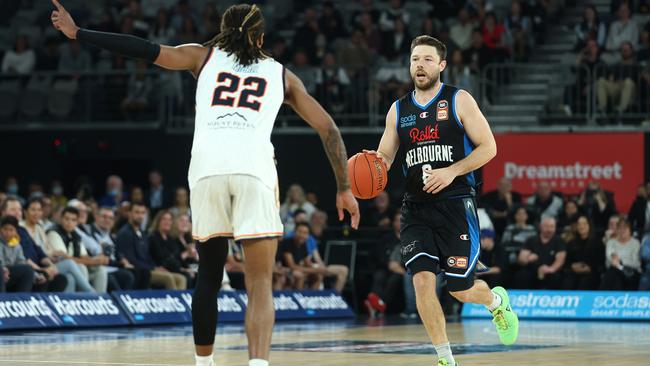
x=184, y=57
x=313, y=113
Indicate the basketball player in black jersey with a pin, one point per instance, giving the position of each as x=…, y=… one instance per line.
x=446, y=138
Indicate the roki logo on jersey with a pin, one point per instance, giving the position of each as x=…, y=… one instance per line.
x=427, y=134
x=424, y=114
x=442, y=111
x=457, y=262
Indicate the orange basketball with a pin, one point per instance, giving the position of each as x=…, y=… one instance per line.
x=368, y=175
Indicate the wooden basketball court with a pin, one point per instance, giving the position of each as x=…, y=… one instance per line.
x=356, y=343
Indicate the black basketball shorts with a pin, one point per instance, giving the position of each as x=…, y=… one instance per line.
x=442, y=237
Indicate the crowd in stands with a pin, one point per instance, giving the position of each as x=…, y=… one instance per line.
x=615, y=48
x=337, y=48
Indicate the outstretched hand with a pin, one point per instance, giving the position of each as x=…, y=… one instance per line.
x=346, y=201
x=62, y=21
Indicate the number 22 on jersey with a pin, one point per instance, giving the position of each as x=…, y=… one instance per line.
x=228, y=92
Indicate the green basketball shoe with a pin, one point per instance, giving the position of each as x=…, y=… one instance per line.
x=505, y=319
x=443, y=362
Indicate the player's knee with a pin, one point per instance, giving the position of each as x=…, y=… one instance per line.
x=462, y=296
x=423, y=281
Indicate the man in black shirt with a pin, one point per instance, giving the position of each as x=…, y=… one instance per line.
x=494, y=257
x=541, y=259
x=499, y=202
x=296, y=257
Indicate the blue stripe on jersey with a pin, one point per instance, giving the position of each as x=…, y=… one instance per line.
x=424, y=107
x=469, y=147
x=474, y=239
x=397, y=117
x=453, y=109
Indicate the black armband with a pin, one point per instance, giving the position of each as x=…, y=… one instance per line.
x=124, y=44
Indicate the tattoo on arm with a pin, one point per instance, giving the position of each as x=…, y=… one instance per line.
x=335, y=149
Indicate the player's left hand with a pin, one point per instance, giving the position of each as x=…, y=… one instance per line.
x=437, y=179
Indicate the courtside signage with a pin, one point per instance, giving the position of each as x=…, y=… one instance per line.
x=307, y=304
x=568, y=162
x=85, y=309
x=25, y=310
x=605, y=305
x=153, y=307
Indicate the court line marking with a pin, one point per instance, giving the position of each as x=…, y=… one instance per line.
x=96, y=363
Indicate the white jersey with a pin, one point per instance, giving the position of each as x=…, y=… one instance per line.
x=236, y=107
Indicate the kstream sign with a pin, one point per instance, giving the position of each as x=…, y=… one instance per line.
x=568, y=162
x=608, y=305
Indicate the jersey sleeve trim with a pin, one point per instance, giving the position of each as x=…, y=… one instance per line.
x=284, y=82
x=207, y=58
x=397, y=116
x=453, y=108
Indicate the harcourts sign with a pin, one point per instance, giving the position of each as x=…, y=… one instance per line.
x=26, y=311
x=230, y=308
x=572, y=305
x=306, y=304
x=81, y=309
x=154, y=307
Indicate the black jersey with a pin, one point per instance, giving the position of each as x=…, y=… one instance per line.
x=433, y=137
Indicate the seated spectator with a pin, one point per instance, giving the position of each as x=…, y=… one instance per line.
x=306, y=72
x=295, y=199
x=65, y=242
x=235, y=268
x=13, y=189
x=478, y=54
x=644, y=283
x=598, y=205
x=461, y=31
x=622, y=260
x=370, y=31
x=47, y=221
x=380, y=213
x=499, y=204
x=33, y=239
x=19, y=61
x=568, y=217
x=397, y=41
x=332, y=83
x=517, y=233
x=209, y=21
x=139, y=91
x=617, y=88
x=121, y=274
x=387, y=278
x=493, y=256
x=639, y=214
x=644, y=48
x=162, y=32
x=131, y=243
x=478, y=9
x=541, y=259
x=74, y=58
x=114, y=192
x=57, y=196
x=181, y=202
x=18, y=275
x=612, y=229
x=519, y=28
x=585, y=257
x=355, y=53
x=307, y=36
x=156, y=196
x=591, y=27
x=623, y=30
x=544, y=202
x=167, y=251
x=84, y=229
x=188, y=32
x=586, y=61
x=331, y=23
x=458, y=73
x=494, y=34
x=307, y=267
x=390, y=15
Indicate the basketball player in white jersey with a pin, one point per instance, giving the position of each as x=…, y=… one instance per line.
x=232, y=175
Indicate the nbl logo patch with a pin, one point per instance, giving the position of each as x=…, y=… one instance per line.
x=457, y=262
x=442, y=111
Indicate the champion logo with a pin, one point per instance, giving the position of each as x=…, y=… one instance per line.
x=424, y=114
x=464, y=237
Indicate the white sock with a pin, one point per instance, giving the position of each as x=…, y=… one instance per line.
x=204, y=360
x=444, y=352
x=496, y=302
x=258, y=362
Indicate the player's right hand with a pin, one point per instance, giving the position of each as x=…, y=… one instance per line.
x=377, y=154
x=346, y=201
x=62, y=21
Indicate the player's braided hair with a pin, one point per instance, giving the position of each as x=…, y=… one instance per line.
x=241, y=26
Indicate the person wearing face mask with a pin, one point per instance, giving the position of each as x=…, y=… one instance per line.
x=57, y=197
x=12, y=189
x=16, y=275
x=114, y=192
